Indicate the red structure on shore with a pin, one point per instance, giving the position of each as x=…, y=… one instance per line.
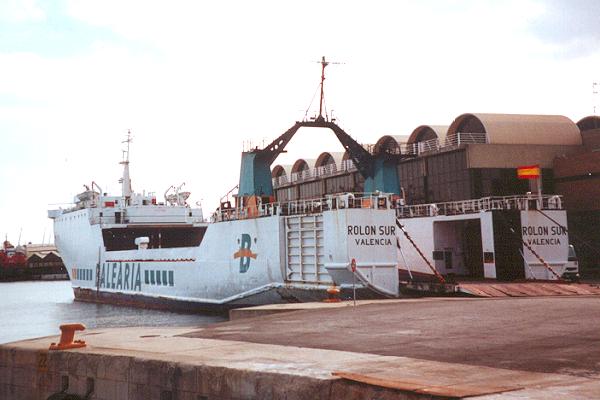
x=12, y=257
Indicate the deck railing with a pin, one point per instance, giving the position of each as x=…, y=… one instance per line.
x=389, y=201
x=523, y=203
x=316, y=173
x=308, y=206
x=461, y=138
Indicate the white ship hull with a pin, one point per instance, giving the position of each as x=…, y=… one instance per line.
x=241, y=262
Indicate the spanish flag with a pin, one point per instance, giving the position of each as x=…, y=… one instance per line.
x=528, y=172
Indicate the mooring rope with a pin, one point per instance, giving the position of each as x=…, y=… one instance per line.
x=536, y=255
x=435, y=272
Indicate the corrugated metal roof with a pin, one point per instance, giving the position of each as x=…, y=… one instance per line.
x=40, y=247
x=428, y=130
x=519, y=128
x=337, y=157
x=385, y=140
x=41, y=250
x=42, y=254
x=588, y=123
x=287, y=170
x=399, y=138
x=310, y=162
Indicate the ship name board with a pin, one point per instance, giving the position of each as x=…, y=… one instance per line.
x=543, y=235
x=121, y=276
x=544, y=230
x=382, y=233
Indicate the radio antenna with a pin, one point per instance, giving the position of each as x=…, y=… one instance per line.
x=126, y=180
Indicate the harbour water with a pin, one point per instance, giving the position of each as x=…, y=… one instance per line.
x=34, y=309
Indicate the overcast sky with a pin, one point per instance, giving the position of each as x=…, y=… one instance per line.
x=194, y=80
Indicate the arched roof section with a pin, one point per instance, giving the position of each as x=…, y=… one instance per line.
x=281, y=170
x=387, y=144
x=302, y=165
x=518, y=128
x=338, y=156
x=424, y=133
x=327, y=158
x=324, y=158
x=589, y=123
x=346, y=161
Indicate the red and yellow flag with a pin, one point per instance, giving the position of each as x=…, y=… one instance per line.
x=528, y=172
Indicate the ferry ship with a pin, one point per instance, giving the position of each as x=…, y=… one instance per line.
x=137, y=249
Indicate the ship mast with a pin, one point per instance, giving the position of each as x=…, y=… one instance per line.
x=323, y=63
x=125, y=180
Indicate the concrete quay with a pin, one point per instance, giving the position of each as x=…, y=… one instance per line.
x=531, y=348
x=270, y=309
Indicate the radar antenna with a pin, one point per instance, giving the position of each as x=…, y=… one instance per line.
x=126, y=151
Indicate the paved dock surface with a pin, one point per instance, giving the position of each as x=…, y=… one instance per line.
x=533, y=348
x=547, y=334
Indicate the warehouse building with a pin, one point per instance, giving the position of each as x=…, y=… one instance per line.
x=577, y=178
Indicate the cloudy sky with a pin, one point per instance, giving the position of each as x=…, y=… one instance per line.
x=195, y=80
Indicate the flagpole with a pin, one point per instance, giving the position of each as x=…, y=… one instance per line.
x=539, y=189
